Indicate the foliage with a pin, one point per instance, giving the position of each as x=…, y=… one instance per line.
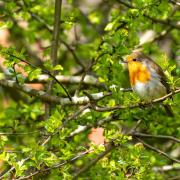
x=94, y=38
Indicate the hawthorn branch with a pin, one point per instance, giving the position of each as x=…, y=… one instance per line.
x=166, y=168
x=98, y=123
x=158, y=151
x=89, y=80
x=135, y=134
x=54, y=167
x=74, y=116
x=109, y=147
x=155, y=37
x=19, y=133
x=146, y=104
x=12, y=168
x=166, y=22
x=43, y=144
x=87, y=69
x=80, y=100
x=43, y=70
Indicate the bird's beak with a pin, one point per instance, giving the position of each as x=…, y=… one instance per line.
x=123, y=63
x=123, y=60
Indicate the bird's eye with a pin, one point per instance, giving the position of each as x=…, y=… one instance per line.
x=134, y=59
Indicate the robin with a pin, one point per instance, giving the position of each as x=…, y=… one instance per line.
x=147, y=78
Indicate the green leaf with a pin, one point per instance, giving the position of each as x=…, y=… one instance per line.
x=34, y=74
x=54, y=121
x=58, y=67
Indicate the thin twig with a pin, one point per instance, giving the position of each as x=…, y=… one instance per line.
x=158, y=100
x=13, y=168
x=54, y=167
x=109, y=147
x=93, y=61
x=43, y=70
x=74, y=116
x=166, y=22
x=136, y=134
x=137, y=124
x=73, y=53
x=166, y=168
x=18, y=134
x=89, y=126
x=158, y=151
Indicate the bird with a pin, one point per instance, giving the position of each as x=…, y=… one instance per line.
x=147, y=78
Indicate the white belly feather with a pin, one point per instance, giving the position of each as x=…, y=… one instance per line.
x=150, y=90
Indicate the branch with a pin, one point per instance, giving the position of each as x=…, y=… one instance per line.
x=155, y=101
x=87, y=69
x=89, y=126
x=89, y=80
x=74, y=116
x=158, y=151
x=175, y=2
x=49, y=98
x=155, y=37
x=55, y=40
x=65, y=79
x=109, y=147
x=55, y=166
x=43, y=70
x=166, y=168
x=54, y=51
x=155, y=136
x=80, y=100
x=18, y=134
x=165, y=22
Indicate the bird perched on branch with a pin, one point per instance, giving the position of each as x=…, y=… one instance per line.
x=147, y=78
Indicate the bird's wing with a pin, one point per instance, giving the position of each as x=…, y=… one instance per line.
x=159, y=70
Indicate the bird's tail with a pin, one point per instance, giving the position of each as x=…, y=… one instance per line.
x=169, y=110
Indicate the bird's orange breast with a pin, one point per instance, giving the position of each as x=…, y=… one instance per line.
x=138, y=72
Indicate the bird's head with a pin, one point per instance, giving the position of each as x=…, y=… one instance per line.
x=135, y=57
x=137, y=67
